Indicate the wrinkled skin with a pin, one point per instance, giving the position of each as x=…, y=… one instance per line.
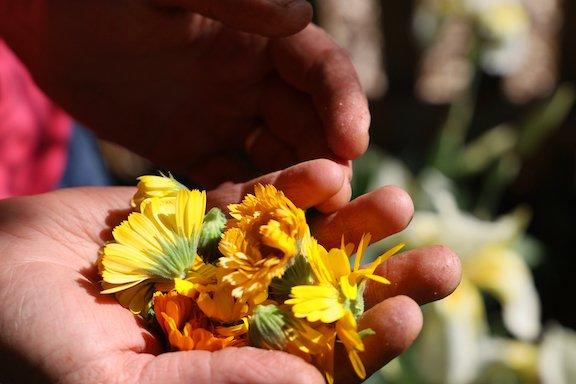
x=188, y=92
x=56, y=327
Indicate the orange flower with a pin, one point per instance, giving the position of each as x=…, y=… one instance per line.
x=185, y=326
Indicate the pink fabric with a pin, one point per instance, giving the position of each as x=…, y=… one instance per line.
x=34, y=134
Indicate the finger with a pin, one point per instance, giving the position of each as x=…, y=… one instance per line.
x=273, y=18
x=230, y=365
x=340, y=199
x=381, y=213
x=396, y=322
x=424, y=274
x=313, y=63
x=307, y=184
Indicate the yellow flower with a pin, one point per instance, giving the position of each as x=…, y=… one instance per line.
x=337, y=295
x=155, y=186
x=266, y=205
x=197, y=279
x=158, y=245
x=218, y=303
x=263, y=236
x=185, y=326
x=338, y=286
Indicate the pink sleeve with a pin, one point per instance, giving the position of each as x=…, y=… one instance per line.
x=34, y=133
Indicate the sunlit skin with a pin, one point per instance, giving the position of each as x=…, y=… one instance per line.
x=56, y=326
x=187, y=91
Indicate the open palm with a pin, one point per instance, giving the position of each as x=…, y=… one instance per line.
x=56, y=326
x=189, y=92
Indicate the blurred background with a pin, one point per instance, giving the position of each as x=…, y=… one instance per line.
x=473, y=107
x=473, y=113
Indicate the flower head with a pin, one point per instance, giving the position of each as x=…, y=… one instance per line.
x=338, y=288
x=218, y=303
x=157, y=245
x=185, y=326
x=337, y=295
x=264, y=234
x=155, y=186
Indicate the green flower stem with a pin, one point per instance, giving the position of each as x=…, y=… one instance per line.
x=501, y=176
x=453, y=134
x=545, y=120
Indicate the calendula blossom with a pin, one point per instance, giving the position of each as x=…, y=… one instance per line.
x=337, y=295
x=157, y=245
x=263, y=236
x=257, y=279
x=218, y=303
x=155, y=186
x=186, y=326
x=338, y=287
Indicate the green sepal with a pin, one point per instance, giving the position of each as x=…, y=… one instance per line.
x=298, y=272
x=267, y=327
x=148, y=312
x=357, y=306
x=212, y=229
x=366, y=332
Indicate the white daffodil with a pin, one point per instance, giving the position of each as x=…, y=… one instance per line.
x=452, y=346
x=503, y=25
x=506, y=25
x=503, y=359
x=448, y=350
x=557, y=362
x=456, y=327
x=489, y=259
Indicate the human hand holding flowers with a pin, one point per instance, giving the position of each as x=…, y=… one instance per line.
x=201, y=87
x=54, y=319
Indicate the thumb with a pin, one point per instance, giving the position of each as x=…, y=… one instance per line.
x=230, y=365
x=272, y=18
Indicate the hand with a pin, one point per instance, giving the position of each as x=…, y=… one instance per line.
x=55, y=325
x=193, y=94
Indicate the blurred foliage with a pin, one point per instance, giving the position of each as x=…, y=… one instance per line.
x=489, y=330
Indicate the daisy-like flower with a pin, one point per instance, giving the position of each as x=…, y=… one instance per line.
x=185, y=326
x=264, y=234
x=337, y=295
x=155, y=186
x=218, y=303
x=155, y=246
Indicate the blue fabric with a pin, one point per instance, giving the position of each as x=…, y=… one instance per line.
x=85, y=165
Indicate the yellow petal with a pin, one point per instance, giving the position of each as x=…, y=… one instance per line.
x=378, y=279
x=190, y=208
x=364, y=242
x=385, y=256
x=185, y=288
x=316, y=303
x=338, y=263
x=349, y=290
x=357, y=364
